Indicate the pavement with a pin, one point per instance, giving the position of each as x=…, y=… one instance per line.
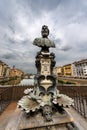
x=9, y=113
x=6, y=115
x=79, y=120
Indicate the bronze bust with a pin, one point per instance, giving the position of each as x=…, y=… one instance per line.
x=45, y=43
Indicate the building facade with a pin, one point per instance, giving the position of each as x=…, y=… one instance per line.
x=5, y=66
x=16, y=72
x=55, y=71
x=81, y=68
x=77, y=69
x=58, y=71
x=7, y=71
x=4, y=70
x=68, y=70
x=1, y=69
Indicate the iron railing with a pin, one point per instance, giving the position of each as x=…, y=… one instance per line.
x=78, y=93
x=5, y=98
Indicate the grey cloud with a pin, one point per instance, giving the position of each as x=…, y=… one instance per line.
x=10, y=56
x=11, y=27
x=21, y=21
x=59, y=46
x=66, y=48
x=39, y=5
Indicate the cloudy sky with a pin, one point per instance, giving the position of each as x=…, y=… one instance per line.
x=21, y=22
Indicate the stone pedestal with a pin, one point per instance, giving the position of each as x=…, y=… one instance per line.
x=35, y=121
x=44, y=102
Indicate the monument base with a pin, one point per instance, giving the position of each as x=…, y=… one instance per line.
x=35, y=121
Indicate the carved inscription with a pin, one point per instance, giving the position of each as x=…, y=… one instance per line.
x=45, y=67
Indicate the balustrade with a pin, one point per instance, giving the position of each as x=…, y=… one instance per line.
x=78, y=93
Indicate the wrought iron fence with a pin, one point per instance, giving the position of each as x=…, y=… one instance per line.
x=18, y=92
x=78, y=93
x=5, y=98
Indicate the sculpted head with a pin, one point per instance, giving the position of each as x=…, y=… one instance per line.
x=45, y=31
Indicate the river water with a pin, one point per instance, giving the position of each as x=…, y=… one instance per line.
x=18, y=81
x=27, y=82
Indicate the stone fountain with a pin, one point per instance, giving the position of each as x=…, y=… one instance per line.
x=43, y=105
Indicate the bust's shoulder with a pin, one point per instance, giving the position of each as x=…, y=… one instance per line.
x=49, y=43
x=36, y=41
x=43, y=42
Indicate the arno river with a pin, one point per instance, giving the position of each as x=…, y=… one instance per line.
x=27, y=82
x=18, y=82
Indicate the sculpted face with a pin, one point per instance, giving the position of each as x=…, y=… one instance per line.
x=45, y=31
x=47, y=112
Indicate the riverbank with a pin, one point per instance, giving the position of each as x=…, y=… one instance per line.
x=10, y=80
x=73, y=81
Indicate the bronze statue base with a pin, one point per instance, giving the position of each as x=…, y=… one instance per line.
x=37, y=122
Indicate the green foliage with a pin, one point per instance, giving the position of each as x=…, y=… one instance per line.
x=68, y=82
x=63, y=82
x=5, y=81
